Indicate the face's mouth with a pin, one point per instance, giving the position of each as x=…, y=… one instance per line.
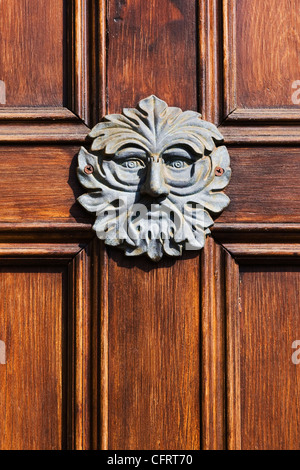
x=149, y=201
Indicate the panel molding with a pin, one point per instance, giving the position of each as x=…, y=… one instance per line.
x=218, y=90
x=82, y=368
x=84, y=84
x=213, y=425
x=230, y=257
x=232, y=111
x=233, y=386
x=210, y=49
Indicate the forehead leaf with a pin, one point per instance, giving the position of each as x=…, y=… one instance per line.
x=154, y=127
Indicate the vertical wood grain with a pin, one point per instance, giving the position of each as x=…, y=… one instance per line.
x=212, y=347
x=210, y=50
x=32, y=52
x=229, y=56
x=153, y=329
x=32, y=317
x=151, y=50
x=78, y=34
x=154, y=354
x=267, y=52
x=270, y=323
x=79, y=351
x=233, y=352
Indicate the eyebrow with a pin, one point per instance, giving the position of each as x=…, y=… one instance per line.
x=134, y=151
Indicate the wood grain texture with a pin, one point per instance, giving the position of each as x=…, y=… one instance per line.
x=32, y=52
x=267, y=52
x=151, y=50
x=233, y=352
x=39, y=184
x=264, y=185
x=153, y=310
x=269, y=324
x=213, y=429
x=32, y=318
x=153, y=354
x=257, y=135
x=210, y=79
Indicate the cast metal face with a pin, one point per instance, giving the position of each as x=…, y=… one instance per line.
x=154, y=174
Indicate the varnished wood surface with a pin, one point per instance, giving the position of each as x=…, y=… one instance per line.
x=154, y=354
x=32, y=57
x=264, y=185
x=151, y=50
x=39, y=183
x=269, y=324
x=32, y=325
x=153, y=345
x=267, y=52
x=153, y=311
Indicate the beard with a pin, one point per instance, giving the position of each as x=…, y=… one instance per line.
x=153, y=227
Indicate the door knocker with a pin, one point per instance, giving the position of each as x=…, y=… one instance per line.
x=154, y=174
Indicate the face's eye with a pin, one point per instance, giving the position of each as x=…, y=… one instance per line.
x=133, y=164
x=177, y=158
x=177, y=164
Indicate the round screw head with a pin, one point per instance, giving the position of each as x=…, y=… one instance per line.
x=89, y=169
x=219, y=171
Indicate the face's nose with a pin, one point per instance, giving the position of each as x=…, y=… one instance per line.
x=154, y=185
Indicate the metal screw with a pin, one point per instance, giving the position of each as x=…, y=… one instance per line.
x=219, y=171
x=89, y=169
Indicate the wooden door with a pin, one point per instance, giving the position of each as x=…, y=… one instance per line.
x=102, y=351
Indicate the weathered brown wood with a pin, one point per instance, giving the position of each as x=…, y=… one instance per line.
x=39, y=184
x=153, y=330
x=149, y=356
x=264, y=135
x=264, y=185
x=32, y=58
x=269, y=324
x=152, y=50
x=213, y=429
x=153, y=334
x=267, y=52
x=233, y=354
x=80, y=396
x=210, y=81
x=32, y=325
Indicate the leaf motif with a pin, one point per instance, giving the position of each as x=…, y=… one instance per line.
x=154, y=126
x=211, y=197
x=93, y=180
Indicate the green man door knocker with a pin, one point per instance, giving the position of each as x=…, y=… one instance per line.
x=154, y=176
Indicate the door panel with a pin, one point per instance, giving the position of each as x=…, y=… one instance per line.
x=153, y=328
x=186, y=353
x=262, y=187
x=33, y=326
x=155, y=340
x=48, y=323
x=32, y=45
x=47, y=262
x=44, y=180
x=266, y=67
x=269, y=325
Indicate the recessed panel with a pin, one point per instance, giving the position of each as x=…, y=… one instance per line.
x=39, y=183
x=32, y=317
x=32, y=52
x=270, y=363
x=264, y=186
x=267, y=53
